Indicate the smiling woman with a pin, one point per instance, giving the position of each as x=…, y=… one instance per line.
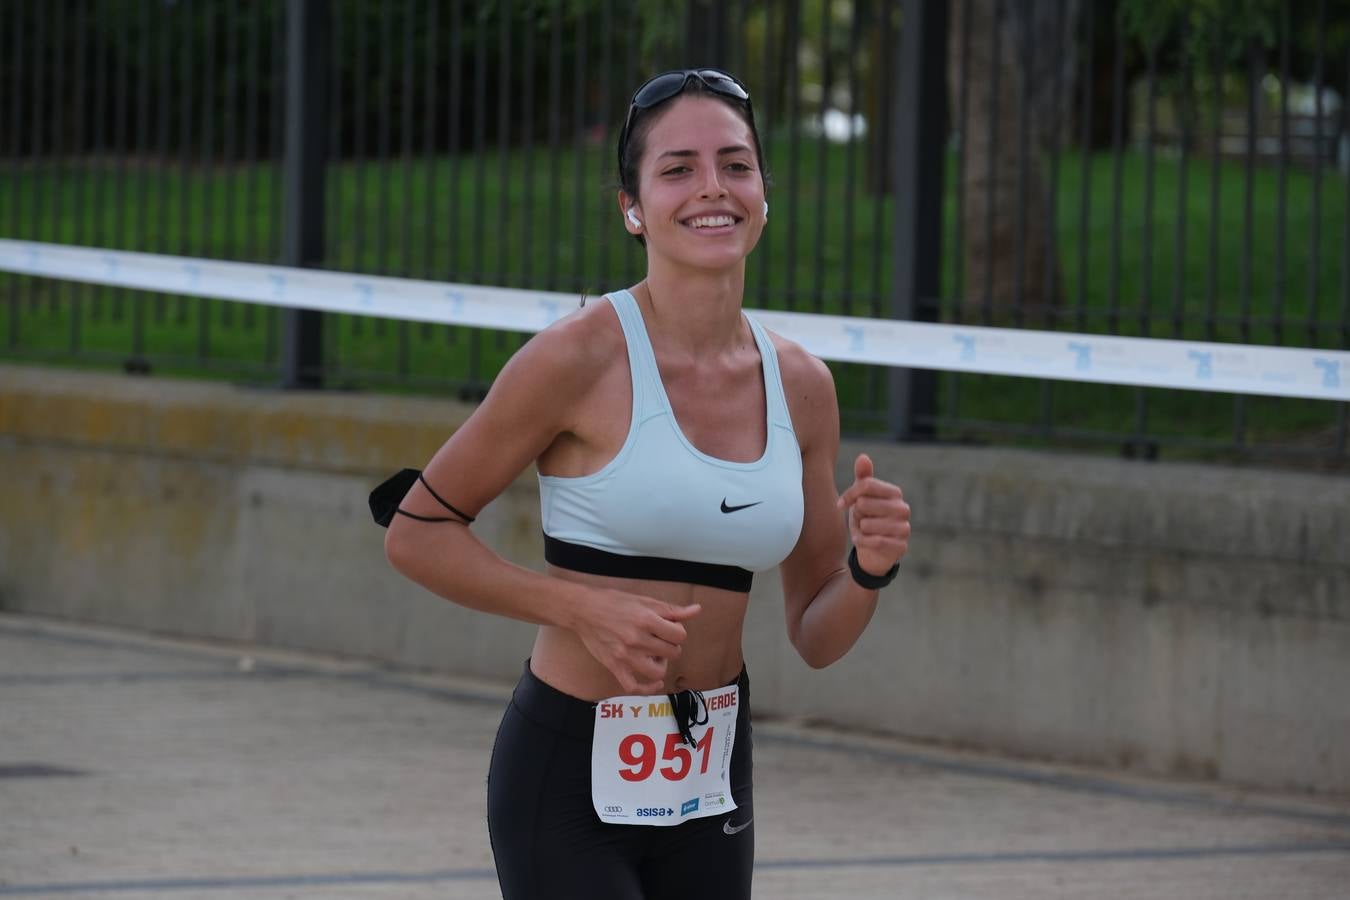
x=701, y=178
x=681, y=449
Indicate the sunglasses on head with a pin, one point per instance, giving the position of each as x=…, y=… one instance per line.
x=660, y=88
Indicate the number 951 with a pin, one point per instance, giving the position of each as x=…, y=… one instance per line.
x=639, y=752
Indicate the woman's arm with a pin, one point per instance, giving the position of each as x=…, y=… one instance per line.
x=826, y=609
x=509, y=429
x=532, y=402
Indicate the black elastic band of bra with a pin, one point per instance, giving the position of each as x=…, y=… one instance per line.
x=579, y=558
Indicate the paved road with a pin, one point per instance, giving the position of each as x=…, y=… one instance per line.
x=140, y=767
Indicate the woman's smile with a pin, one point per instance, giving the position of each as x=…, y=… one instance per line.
x=711, y=225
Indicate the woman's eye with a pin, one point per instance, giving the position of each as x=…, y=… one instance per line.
x=739, y=167
x=677, y=170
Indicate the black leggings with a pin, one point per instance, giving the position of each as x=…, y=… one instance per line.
x=548, y=842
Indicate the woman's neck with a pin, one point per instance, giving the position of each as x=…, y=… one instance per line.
x=697, y=311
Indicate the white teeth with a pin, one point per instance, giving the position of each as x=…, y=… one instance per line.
x=711, y=221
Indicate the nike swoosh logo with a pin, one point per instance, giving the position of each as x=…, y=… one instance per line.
x=735, y=829
x=731, y=509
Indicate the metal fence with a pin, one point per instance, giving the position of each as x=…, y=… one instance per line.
x=1131, y=167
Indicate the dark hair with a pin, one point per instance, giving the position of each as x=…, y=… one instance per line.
x=633, y=143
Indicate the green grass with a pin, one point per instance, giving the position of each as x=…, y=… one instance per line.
x=499, y=219
x=1247, y=284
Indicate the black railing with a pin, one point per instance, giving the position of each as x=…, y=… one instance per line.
x=1131, y=167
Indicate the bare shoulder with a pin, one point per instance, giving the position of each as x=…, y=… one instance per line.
x=805, y=377
x=808, y=386
x=572, y=353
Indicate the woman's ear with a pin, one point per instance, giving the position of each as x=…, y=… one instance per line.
x=629, y=207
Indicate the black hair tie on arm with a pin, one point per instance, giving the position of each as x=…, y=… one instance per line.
x=385, y=500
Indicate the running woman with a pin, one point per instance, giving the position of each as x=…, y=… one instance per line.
x=681, y=448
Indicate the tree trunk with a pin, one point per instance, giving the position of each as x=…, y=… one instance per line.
x=1017, y=58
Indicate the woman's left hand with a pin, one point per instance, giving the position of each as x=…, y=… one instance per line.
x=878, y=518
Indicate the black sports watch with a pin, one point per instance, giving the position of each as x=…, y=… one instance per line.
x=866, y=579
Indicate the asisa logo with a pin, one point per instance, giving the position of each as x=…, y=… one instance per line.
x=654, y=812
x=689, y=806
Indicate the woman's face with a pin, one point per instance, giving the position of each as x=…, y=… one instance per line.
x=702, y=192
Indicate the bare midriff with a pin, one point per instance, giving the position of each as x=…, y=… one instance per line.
x=711, y=655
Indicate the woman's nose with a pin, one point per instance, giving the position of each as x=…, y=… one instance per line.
x=712, y=185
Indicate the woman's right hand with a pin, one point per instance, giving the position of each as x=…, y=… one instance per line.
x=634, y=637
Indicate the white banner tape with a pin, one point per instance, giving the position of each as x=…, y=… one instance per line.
x=1147, y=362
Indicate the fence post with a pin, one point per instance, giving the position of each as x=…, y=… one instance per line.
x=920, y=141
x=307, y=46
x=706, y=36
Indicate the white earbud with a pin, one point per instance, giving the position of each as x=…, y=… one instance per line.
x=766, y=210
x=634, y=219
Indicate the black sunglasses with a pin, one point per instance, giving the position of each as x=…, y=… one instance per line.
x=660, y=88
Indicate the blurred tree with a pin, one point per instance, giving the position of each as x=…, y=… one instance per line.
x=1011, y=67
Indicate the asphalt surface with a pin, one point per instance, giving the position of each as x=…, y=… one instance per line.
x=143, y=767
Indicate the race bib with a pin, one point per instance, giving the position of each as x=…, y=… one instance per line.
x=643, y=772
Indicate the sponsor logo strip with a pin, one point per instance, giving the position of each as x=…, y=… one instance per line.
x=1146, y=362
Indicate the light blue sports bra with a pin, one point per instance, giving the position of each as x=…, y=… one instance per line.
x=661, y=509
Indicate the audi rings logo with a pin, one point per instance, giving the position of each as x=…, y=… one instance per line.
x=613, y=810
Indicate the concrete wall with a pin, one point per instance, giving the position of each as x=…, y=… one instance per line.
x=1169, y=618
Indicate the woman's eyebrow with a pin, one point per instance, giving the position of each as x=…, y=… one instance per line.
x=735, y=148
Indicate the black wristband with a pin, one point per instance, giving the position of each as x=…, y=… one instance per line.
x=867, y=580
